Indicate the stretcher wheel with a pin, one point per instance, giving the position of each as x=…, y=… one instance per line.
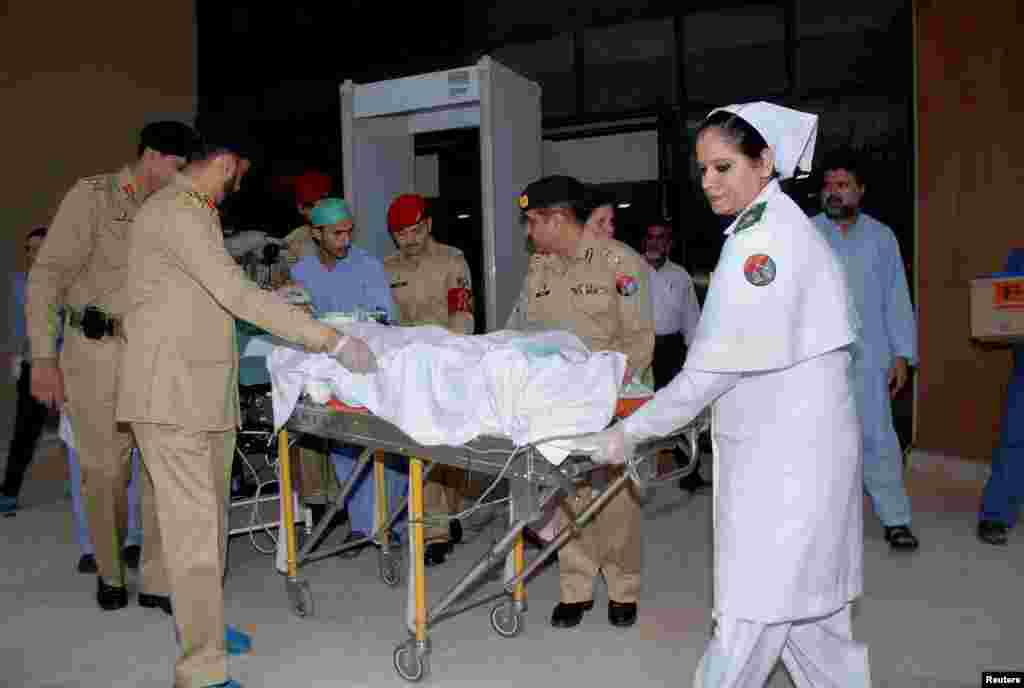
x=505, y=620
x=387, y=567
x=301, y=598
x=409, y=663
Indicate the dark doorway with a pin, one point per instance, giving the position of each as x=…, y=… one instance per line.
x=456, y=210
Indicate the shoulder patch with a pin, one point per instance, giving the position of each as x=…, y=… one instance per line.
x=625, y=284
x=751, y=217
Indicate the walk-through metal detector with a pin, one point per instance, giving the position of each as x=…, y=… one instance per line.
x=379, y=122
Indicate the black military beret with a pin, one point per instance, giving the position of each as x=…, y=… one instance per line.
x=169, y=137
x=551, y=191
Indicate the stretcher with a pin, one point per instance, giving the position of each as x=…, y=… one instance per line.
x=533, y=483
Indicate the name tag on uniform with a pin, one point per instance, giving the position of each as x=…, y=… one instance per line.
x=588, y=290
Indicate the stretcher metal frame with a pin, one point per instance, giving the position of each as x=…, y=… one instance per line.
x=533, y=483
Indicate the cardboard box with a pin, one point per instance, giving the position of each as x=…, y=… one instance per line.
x=997, y=308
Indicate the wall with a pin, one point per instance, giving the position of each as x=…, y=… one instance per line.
x=605, y=159
x=970, y=178
x=79, y=81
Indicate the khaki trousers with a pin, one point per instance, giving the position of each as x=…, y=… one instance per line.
x=190, y=473
x=442, y=497
x=610, y=544
x=90, y=368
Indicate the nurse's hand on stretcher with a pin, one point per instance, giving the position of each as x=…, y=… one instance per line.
x=355, y=355
x=608, y=446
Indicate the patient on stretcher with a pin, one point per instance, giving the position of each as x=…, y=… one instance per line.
x=446, y=389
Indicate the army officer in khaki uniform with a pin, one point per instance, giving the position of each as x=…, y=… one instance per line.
x=179, y=387
x=82, y=262
x=431, y=285
x=597, y=289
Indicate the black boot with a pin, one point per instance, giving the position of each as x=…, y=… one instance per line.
x=621, y=614
x=156, y=602
x=436, y=553
x=569, y=614
x=110, y=597
x=455, y=531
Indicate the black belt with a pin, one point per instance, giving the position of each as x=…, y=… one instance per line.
x=94, y=323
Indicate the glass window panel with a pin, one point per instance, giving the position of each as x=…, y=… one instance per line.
x=629, y=67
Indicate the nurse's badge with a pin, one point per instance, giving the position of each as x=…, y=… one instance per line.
x=759, y=270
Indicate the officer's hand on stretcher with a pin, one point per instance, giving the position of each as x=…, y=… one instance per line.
x=355, y=355
x=608, y=446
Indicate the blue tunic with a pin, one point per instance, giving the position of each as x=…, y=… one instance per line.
x=1004, y=491
x=357, y=281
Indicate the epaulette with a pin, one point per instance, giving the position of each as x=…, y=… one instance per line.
x=193, y=199
x=98, y=182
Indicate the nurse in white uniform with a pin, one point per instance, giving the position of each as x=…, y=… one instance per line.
x=770, y=353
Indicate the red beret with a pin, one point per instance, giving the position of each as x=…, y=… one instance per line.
x=311, y=186
x=405, y=211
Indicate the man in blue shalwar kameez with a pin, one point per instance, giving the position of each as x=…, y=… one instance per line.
x=887, y=343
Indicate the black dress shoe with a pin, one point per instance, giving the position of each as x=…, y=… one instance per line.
x=436, y=552
x=621, y=614
x=110, y=597
x=455, y=531
x=900, y=538
x=130, y=555
x=156, y=602
x=993, y=532
x=87, y=564
x=569, y=614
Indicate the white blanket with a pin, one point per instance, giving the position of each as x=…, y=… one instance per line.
x=445, y=389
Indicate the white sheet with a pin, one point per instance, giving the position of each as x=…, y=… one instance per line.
x=440, y=388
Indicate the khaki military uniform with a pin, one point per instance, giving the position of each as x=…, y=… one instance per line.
x=179, y=390
x=312, y=450
x=84, y=260
x=435, y=288
x=601, y=294
x=300, y=244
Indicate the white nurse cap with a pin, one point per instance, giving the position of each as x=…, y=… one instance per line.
x=790, y=133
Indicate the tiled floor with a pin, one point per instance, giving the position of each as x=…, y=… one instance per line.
x=936, y=618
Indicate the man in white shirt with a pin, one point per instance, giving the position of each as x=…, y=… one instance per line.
x=676, y=312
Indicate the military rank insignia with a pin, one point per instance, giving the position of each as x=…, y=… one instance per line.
x=627, y=285
x=194, y=199
x=751, y=217
x=759, y=270
x=524, y=201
